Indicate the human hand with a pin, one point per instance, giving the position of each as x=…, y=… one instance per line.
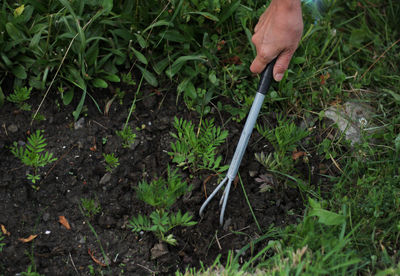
x=277, y=34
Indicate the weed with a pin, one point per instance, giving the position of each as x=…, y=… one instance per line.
x=127, y=79
x=197, y=151
x=120, y=95
x=91, y=270
x=39, y=117
x=33, y=154
x=30, y=272
x=127, y=136
x=20, y=96
x=284, y=138
x=112, y=161
x=90, y=207
x=162, y=194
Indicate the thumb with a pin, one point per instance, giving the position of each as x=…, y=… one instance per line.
x=282, y=64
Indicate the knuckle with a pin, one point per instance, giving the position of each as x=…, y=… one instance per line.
x=264, y=54
x=255, y=39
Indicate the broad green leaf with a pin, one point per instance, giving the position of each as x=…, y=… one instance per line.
x=112, y=78
x=174, y=35
x=148, y=76
x=139, y=56
x=75, y=78
x=79, y=107
x=141, y=41
x=158, y=24
x=191, y=91
x=161, y=65
x=35, y=40
x=324, y=216
x=187, y=86
x=299, y=60
x=14, y=32
x=68, y=96
x=213, y=78
x=179, y=62
x=107, y=5
x=19, y=71
x=206, y=15
x=92, y=53
x=6, y=60
x=99, y=83
x=395, y=96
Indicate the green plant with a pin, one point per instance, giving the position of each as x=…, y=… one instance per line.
x=127, y=136
x=112, y=161
x=33, y=154
x=31, y=271
x=90, y=207
x=20, y=95
x=197, y=151
x=162, y=194
x=284, y=138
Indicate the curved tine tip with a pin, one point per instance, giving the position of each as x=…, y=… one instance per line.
x=205, y=203
x=225, y=197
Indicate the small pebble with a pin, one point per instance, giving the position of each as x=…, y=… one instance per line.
x=105, y=179
x=79, y=124
x=46, y=216
x=12, y=128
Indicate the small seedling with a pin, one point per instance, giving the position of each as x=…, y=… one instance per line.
x=30, y=272
x=127, y=136
x=120, y=95
x=197, y=151
x=20, y=95
x=33, y=154
x=112, y=162
x=162, y=194
x=90, y=207
x=39, y=117
x=127, y=78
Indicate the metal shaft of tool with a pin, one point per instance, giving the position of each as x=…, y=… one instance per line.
x=266, y=79
x=241, y=149
x=237, y=157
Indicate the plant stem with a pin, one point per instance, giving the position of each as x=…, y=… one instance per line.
x=248, y=203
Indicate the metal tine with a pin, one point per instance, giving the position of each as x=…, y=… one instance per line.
x=212, y=195
x=225, y=200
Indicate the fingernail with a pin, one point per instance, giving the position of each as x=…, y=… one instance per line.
x=278, y=76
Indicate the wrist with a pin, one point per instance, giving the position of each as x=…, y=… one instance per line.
x=286, y=4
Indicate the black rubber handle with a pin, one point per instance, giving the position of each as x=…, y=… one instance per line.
x=266, y=78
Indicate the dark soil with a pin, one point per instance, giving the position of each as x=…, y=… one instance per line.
x=80, y=173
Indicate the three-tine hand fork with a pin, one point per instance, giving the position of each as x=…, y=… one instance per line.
x=265, y=82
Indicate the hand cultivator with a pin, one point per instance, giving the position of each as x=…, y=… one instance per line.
x=265, y=82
